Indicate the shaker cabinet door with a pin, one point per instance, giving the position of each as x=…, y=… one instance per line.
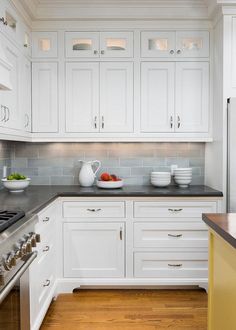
x=82, y=97
x=94, y=249
x=116, y=97
x=45, y=97
x=157, y=96
x=192, y=97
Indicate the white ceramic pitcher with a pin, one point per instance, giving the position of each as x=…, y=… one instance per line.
x=87, y=175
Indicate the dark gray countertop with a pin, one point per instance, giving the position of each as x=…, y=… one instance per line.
x=37, y=197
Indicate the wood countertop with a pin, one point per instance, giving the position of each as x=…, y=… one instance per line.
x=223, y=224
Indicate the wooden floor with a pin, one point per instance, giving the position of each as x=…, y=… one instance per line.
x=128, y=309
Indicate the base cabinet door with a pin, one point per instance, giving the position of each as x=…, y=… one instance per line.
x=192, y=97
x=45, y=97
x=94, y=250
x=157, y=96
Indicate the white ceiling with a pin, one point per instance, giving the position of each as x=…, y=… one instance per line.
x=118, y=9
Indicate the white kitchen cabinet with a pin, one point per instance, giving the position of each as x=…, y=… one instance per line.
x=175, y=44
x=171, y=265
x=175, y=97
x=99, y=97
x=82, y=97
x=116, y=97
x=192, y=97
x=44, y=45
x=116, y=44
x=158, y=44
x=99, y=44
x=94, y=250
x=10, y=101
x=192, y=44
x=25, y=94
x=157, y=96
x=45, y=97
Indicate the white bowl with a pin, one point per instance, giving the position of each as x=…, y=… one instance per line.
x=183, y=177
x=160, y=173
x=183, y=180
x=160, y=184
x=179, y=169
x=16, y=185
x=160, y=180
x=109, y=184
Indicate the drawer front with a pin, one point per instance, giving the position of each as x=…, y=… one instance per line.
x=170, y=265
x=172, y=209
x=94, y=209
x=154, y=234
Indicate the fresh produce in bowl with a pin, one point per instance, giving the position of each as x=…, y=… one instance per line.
x=109, y=181
x=16, y=182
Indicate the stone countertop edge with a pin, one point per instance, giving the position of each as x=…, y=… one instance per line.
x=35, y=198
x=220, y=223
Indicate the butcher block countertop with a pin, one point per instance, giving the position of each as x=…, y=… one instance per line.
x=224, y=225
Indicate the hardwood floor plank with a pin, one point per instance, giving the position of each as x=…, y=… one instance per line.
x=128, y=310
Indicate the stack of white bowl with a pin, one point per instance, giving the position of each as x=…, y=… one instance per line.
x=183, y=176
x=160, y=179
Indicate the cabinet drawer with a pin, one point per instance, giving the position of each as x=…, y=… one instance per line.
x=171, y=265
x=156, y=234
x=172, y=209
x=46, y=219
x=94, y=209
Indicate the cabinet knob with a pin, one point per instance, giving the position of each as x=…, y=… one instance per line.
x=95, y=52
x=171, y=121
x=178, y=121
x=47, y=283
x=46, y=219
x=178, y=51
x=103, y=124
x=95, y=122
x=172, y=51
x=102, y=52
x=3, y=20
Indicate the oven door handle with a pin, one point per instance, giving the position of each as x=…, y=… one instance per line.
x=17, y=276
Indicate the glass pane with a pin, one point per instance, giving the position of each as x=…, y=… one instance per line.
x=115, y=44
x=82, y=44
x=45, y=45
x=158, y=44
x=192, y=44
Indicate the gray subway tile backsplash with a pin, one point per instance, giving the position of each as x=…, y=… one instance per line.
x=57, y=163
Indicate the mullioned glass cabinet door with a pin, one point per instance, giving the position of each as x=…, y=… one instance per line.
x=116, y=44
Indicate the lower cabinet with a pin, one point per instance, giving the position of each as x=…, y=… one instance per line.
x=94, y=249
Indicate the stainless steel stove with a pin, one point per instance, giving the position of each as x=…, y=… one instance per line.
x=18, y=243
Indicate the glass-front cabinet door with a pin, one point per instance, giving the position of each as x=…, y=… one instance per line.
x=82, y=44
x=158, y=44
x=44, y=45
x=192, y=44
x=116, y=44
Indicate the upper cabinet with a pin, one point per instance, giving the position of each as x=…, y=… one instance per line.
x=44, y=45
x=175, y=97
x=45, y=97
x=171, y=44
x=99, y=44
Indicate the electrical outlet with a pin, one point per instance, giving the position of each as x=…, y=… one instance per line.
x=172, y=168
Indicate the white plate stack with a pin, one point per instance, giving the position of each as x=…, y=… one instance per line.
x=160, y=179
x=183, y=176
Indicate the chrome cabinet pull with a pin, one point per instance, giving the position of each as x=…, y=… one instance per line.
x=47, y=248
x=178, y=121
x=178, y=235
x=103, y=124
x=172, y=51
x=46, y=219
x=3, y=108
x=94, y=210
x=175, y=210
x=95, y=122
x=95, y=52
x=47, y=283
x=175, y=265
x=121, y=233
x=2, y=19
x=8, y=114
x=102, y=52
x=178, y=51
x=171, y=121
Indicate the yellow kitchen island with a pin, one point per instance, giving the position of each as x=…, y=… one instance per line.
x=222, y=271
